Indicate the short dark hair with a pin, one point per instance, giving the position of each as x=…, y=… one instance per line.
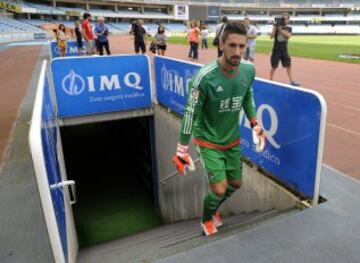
x=86, y=15
x=285, y=14
x=224, y=19
x=233, y=28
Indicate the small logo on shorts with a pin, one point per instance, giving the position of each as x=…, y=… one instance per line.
x=210, y=175
x=219, y=89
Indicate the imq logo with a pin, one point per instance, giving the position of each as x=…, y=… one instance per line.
x=69, y=50
x=172, y=81
x=73, y=84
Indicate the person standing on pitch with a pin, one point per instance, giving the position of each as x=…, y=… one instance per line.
x=217, y=93
x=61, y=40
x=194, y=38
x=102, y=33
x=139, y=32
x=218, y=34
x=281, y=34
x=251, y=43
x=79, y=39
x=160, y=40
x=204, y=37
x=88, y=34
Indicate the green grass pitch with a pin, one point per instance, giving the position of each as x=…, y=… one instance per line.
x=316, y=47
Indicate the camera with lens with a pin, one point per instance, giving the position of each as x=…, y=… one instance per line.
x=280, y=21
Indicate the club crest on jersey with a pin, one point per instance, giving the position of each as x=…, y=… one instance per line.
x=244, y=82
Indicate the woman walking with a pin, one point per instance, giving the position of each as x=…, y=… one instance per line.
x=194, y=40
x=160, y=40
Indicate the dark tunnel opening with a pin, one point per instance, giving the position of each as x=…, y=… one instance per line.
x=112, y=164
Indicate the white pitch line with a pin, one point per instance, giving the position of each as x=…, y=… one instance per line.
x=346, y=107
x=349, y=177
x=343, y=129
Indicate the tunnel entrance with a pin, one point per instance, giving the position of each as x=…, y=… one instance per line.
x=112, y=164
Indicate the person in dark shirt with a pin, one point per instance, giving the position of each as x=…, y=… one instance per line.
x=139, y=32
x=281, y=35
x=79, y=39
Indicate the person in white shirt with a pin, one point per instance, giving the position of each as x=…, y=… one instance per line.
x=204, y=37
x=251, y=42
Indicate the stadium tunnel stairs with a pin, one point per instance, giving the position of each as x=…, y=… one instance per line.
x=128, y=208
x=130, y=201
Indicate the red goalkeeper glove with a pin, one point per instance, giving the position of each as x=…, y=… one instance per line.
x=258, y=135
x=182, y=160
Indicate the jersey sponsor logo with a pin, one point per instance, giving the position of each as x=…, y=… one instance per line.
x=219, y=89
x=230, y=104
x=73, y=84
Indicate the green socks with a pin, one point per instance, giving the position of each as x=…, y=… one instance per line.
x=229, y=191
x=211, y=203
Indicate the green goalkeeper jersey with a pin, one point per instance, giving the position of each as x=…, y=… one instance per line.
x=214, y=103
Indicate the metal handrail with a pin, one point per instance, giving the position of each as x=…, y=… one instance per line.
x=163, y=181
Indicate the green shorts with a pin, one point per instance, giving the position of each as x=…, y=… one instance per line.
x=221, y=165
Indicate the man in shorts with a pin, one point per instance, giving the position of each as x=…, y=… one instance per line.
x=281, y=34
x=88, y=34
x=79, y=38
x=139, y=32
x=217, y=93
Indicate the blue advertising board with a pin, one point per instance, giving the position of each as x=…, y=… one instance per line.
x=92, y=85
x=71, y=50
x=292, y=119
x=49, y=144
x=172, y=77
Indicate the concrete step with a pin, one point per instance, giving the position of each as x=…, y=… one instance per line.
x=168, y=239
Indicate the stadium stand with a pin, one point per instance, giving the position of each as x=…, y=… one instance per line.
x=175, y=27
x=316, y=18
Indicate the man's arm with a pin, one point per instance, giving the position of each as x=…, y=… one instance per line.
x=193, y=107
x=273, y=32
x=97, y=32
x=195, y=101
x=258, y=134
x=285, y=33
x=253, y=34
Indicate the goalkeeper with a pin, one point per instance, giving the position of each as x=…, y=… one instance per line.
x=216, y=95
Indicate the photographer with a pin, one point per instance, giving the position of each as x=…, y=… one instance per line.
x=281, y=34
x=102, y=33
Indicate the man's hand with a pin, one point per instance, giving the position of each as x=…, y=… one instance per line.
x=258, y=135
x=182, y=160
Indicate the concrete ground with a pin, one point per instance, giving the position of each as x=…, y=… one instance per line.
x=328, y=233
x=23, y=232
